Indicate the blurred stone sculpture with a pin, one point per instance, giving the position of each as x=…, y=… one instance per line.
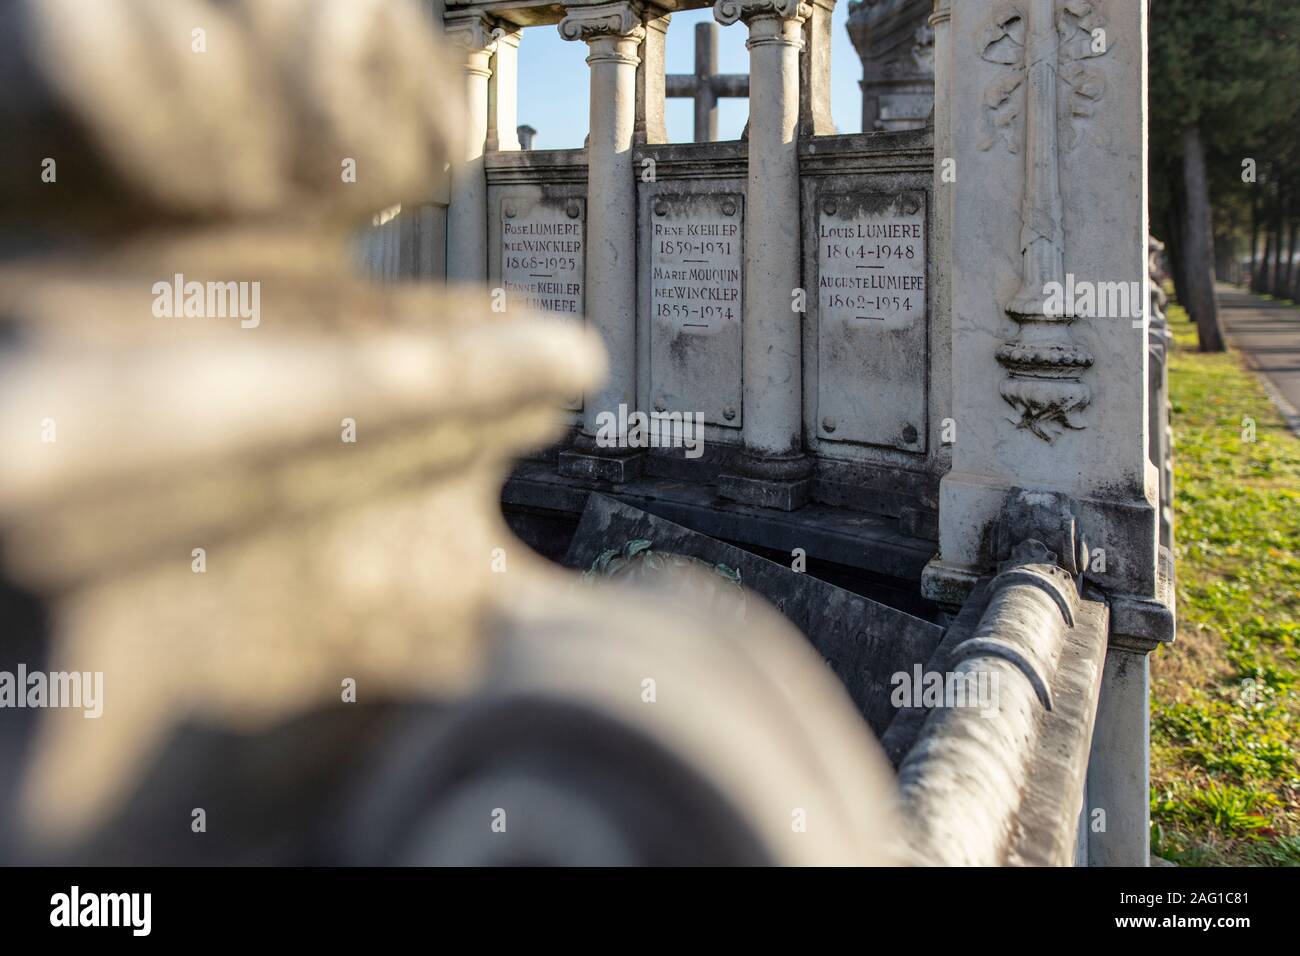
x=260, y=496
x=895, y=41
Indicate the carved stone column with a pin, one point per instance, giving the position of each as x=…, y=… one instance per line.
x=503, y=93
x=1043, y=362
x=467, y=227
x=650, y=79
x=613, y=32
x=945, y=184
x=1046, y=113
x=772, y=469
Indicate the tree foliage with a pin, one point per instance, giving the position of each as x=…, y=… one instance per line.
x=1231, y=68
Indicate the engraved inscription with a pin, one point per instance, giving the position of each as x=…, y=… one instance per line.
x=695, y=297
x=695, y=266
x=871, y=263
x=542, y=254
x=872, y=294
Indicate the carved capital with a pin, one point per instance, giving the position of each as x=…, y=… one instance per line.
x=472, y=32
x=728, y=12
x=620, y=20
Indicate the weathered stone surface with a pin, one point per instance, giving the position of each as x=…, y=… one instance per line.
x=895, y=42
x=863, y=641
x=276, y=66
x=783, y=495
x=910, y=379
x=1051, y=176
x=334, y=466
x=1002, y=781
x=543, y=246
x=696, y=305
x=586, y=466
x=850, y=539
x=873, y=298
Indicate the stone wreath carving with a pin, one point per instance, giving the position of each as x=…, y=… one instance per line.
x=1003, y=42
x=1034, y=108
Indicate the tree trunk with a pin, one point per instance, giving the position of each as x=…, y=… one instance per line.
x=1174, y=238
x=1288, y=271
x=1200, y=244
x=1294, y=291
x=1260, y=285
x=1225, y=252
x=1275, y=286
x=1254, y=233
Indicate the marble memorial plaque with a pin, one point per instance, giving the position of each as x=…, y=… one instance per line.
x=543, y=245
x=872, y=295
x=696, y=301
x=542, y=254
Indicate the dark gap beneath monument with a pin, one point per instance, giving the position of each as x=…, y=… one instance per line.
x=852, y=620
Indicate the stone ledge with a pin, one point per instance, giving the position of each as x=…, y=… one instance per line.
x=1137, y=623
x=947, y=584
x=766, y=493
x=618, y=469
x=551, y=166
x=853, y=539
x=1140, y=623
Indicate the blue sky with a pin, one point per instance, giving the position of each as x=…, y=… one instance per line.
x=553, y=81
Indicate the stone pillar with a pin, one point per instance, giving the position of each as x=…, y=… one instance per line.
x=650, y=80
x=945, y=184
x=771, y=470
x=1119, y=775
x=1047, y=238
x=613, y=32
x=815, y=71
x=467, y=225
x=503, y=93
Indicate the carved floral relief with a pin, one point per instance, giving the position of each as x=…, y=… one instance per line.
x=1036, y=107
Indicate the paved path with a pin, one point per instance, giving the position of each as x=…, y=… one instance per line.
x=1268, y=334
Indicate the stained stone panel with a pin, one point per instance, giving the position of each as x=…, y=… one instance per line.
x=543, y=256
x=872, y=295
x=696, y=269
x=543, y=246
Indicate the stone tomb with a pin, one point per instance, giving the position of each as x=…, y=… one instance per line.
x=882, y=302
x=864, y=642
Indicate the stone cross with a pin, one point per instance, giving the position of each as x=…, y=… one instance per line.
x=706, y=85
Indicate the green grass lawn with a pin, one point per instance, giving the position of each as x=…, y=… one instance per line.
x=1225, y=707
